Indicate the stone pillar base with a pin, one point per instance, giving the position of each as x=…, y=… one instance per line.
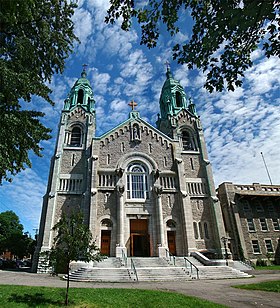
x=162, y=252
x=120, y=250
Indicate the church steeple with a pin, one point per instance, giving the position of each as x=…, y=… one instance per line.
x=173, y=96
x=81, y=94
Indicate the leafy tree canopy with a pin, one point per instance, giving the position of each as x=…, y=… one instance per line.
x=73, y=242
x=36, y=36
x=12, y=237
x=224, y=33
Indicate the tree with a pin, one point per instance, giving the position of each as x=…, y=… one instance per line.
x=12, y=238
x=73, y=242
x=36, y=36
x=224, y=33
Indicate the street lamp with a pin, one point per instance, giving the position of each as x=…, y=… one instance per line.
x=224, y=240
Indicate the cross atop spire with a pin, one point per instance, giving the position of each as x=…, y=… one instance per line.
x=132, y=104
x=84, y=74
x=167, y=65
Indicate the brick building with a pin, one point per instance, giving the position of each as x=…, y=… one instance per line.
x=142, y=189
x=251, y=216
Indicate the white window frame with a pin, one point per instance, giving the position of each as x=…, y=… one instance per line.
x=263, y=224
x=250, y=223
x=254, y=243
x=270, y=243
x=137, y=184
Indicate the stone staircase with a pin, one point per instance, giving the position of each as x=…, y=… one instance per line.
x=149, y=269
x=158, y=269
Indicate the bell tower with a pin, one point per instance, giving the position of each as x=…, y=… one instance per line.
x=172, y=101
x=68, y=185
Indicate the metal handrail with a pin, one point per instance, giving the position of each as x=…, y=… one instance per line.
x=124, y=257
x=192, y=265
x=170, y=255
x=133, y=268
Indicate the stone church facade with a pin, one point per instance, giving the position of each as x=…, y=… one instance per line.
x=143, y=189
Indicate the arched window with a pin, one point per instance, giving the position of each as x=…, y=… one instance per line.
x=171, y=223
x=188, y=141
x=76, y=136
x=178, y=99
x=195, y=230
x=137, y=181
x=106, y=223
x=80, y=97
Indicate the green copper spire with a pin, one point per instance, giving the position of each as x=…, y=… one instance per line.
x=173, y=96
x=81, y=94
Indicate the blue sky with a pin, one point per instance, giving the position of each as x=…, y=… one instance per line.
x=238, y=125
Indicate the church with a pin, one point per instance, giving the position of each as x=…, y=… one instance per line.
x=143, y=190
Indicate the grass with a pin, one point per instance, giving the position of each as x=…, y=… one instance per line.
x=25, y=296
x=269, y=286
x=269, y=267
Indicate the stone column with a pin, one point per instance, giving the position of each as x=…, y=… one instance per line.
x=162, y=243
x=120, y=235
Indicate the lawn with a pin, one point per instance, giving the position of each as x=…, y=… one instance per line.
x=270, y=286
x=24, y=296
x=269, y=267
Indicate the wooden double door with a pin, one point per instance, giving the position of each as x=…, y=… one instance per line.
x=105, y=242
x=139, y=238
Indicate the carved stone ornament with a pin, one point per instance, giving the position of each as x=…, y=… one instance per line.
x=178, y=160
x=184, y=193
x=158, y=189
x=120, y=189
x=215, y=199
x=93, y=191
x=119, y=172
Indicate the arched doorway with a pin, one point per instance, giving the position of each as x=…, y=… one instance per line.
x=171, y=236
x=106, y=227
x=139, y=238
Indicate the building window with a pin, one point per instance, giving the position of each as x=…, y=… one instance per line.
x=195, y=230
x=137, y=182
x=246, y=208
x=263, y=224
x=76, y=136
x=268, y=245
x=259, y=208
x=250, y=224
x=178, y=99
x=188, y=141
x=255, y=246
x=206, y=232
x=171, y=223
x=275, y=224
x=80, y=97
x=200, y=230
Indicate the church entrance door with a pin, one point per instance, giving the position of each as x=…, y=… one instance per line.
x=105, y=242
x=171, y=238
x=139, y=238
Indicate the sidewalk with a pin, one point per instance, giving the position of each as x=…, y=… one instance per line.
x=218, y=291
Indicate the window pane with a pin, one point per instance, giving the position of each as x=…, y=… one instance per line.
x=263, y=224
x=256, y=247
x=251, y=225
x=268, y=245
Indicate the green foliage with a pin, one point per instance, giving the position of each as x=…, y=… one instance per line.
x=11, y=236
x=269, y=286
x=224, y=33
x=35, y=39
x=24, y=296
x=73, y=242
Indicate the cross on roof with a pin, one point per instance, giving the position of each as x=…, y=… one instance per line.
x=132, y=104
x=84, y=67
x=167, y=65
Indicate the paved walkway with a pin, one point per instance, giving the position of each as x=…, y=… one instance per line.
x=218, y=291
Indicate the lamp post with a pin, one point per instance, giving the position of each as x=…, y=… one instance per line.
x=224, y=240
